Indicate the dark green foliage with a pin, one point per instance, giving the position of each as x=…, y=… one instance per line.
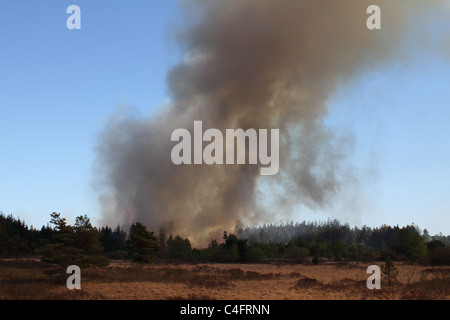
x=438, y=254
x=213, y=244
x=117, y=255
x=242, y=247
x=15, y=237
x=87, y=237
x=178, y=248
x=232, y=250
x=207, y=254
x=433, y=244
x=297, y=242
x=233, y=254
x=411, y=244
x=254, y=254
x=339, y=242
x=142, y=244
x=230, y=240
x=296, y=254
x=338, y=250
x=389, y=272
x=73, y=245
x=162, y=240
x=380, y=239
x=18, y=246
x=113, y=240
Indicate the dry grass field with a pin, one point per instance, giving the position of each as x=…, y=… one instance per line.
x=270, y=281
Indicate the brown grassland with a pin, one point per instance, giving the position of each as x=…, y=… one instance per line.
x=31, y=279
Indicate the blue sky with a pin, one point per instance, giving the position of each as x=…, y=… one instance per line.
x=58, y=87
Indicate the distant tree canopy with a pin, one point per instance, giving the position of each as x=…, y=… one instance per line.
x=178, y=248
x=82, y=244
x=15, y=238
x=113, y=240
x=411, y=244
x=337, y=241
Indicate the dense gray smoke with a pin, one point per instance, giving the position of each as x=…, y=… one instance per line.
x=259, y=64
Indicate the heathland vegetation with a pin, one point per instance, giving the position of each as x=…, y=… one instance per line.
x=82, y=244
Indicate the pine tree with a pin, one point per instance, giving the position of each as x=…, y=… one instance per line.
x=390, y=272
x=73, y=245
x=142, y=243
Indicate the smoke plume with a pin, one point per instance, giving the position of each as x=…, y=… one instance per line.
x=259, y=64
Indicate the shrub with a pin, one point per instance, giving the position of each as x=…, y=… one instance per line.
x=390, y=273
x=297, y=254
x=439, y=256
x=117, y=255
x=254, y=254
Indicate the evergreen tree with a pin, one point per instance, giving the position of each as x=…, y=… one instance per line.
x=411, y=244
x=179, y=248
x=73, y=245
x=113, y=240
x=390, y=272
x=142, y=243
x=14, y=237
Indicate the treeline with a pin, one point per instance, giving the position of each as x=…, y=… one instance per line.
x=336, y=241
x=84, y=245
